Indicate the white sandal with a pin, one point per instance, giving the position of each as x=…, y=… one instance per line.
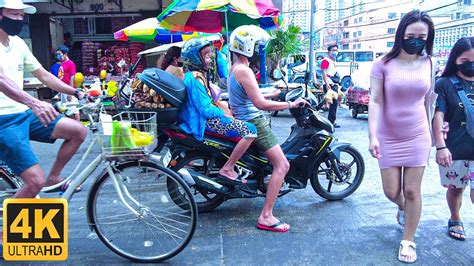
x=403, y=251
x=401, y=217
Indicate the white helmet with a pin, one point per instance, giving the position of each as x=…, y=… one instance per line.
x=244, y=38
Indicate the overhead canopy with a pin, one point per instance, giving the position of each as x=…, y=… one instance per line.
x=163, y=48
x=212, y=16
x=149, y=30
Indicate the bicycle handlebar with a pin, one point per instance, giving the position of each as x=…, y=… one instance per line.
x=70, y=108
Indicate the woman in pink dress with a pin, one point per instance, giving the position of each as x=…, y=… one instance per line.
x=399, y=130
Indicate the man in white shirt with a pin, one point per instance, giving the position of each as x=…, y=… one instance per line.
x=329, y=72
x=24, y=118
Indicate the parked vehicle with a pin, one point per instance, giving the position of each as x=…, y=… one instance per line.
x=357, y=98
x=352, y=65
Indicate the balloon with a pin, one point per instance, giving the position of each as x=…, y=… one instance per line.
x=78, y=80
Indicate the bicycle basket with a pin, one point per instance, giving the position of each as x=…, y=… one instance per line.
x=129, y=135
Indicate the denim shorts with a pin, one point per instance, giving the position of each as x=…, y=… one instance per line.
x=16, y=131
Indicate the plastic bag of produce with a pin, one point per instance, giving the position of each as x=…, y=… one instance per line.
x=121, y=139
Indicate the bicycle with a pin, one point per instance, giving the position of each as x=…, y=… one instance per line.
x=129, y=205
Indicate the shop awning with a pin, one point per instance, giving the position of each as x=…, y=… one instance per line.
x=163, y=48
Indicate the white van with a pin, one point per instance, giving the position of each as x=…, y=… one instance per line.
x=352, y=65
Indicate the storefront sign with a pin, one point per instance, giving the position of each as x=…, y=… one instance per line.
x=96, y=6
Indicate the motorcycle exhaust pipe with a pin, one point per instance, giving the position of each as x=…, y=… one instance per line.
x=193, y=178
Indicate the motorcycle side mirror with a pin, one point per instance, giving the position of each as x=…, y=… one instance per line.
x=307, y=77
x=277, y=74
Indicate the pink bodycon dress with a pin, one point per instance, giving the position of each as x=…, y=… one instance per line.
x=403, y=130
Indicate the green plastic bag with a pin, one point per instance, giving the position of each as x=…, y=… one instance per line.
x=121, y=139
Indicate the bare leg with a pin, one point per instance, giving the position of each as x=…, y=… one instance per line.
x=34, y=180
x=392, y=186
x=280, y=169
x=412, y=191
x=412, y=177
x=228, y=169
x=74, y=134
x=454, y=199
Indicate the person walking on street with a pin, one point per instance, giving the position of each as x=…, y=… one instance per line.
x=455, y=154
x=68, y=68
x=23, y=117
x=246, y=101
x=330, y=80
x=66, y=73
x=401, y=106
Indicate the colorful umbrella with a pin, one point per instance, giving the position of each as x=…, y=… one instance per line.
x=149, y=30
x=214, y=15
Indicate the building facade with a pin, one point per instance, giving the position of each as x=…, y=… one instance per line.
x=454, y=20
x=297, y=12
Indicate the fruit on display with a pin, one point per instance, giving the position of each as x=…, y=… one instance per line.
x=144, y=97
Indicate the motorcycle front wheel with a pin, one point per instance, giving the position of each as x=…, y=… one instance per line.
x=325, y=182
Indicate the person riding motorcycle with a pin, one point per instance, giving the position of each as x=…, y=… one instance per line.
x=201, y=112
x=246, y=102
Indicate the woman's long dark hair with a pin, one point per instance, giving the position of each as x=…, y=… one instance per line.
x=410, y=18
x=172, y=53
x=462, y=45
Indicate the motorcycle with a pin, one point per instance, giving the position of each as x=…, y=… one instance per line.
x=334, y=168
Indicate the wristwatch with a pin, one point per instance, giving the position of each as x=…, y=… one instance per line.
x=76, y=93
x=290, y=104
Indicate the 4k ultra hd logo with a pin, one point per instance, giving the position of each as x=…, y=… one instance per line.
x=35, y=229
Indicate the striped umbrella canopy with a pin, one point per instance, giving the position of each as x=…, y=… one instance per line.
x=150, y=30
x=214, y=16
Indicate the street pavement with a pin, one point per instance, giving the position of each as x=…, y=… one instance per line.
x=359, y=230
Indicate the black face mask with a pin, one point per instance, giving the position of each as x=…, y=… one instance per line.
x=413, y=45
x=10, y=26
x=467, y=69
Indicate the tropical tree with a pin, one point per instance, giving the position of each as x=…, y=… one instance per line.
x=285, y=42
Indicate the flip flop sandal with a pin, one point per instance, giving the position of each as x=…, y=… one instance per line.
x=273, y=227
x=228, y=181
x=405, y=245
x=452, y=231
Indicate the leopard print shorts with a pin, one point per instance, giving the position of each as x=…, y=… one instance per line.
x=231, y=128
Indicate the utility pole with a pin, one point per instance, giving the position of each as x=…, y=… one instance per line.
x=311, y=39
x=339, y=16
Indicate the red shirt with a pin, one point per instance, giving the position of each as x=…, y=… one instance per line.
x=66, y=71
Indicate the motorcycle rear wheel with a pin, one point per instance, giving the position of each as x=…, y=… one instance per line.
x=206, y=201
x=324, y=180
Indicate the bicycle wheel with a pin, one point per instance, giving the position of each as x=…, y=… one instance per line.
x=160, y=230
x=8, y=186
